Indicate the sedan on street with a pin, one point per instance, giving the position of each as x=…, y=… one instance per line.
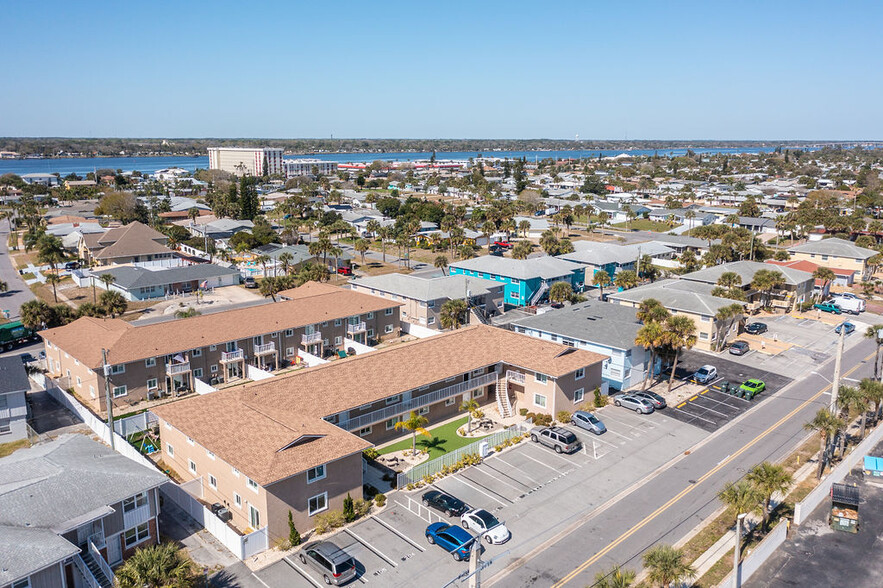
x=588, y=421
x=482, y=522
x=445, y=503
x=452, y=538
x=632, y=402
x=653, y=398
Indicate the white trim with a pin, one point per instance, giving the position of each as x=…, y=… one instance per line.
x=317, y=477
x=545, y=400
x=324, y=496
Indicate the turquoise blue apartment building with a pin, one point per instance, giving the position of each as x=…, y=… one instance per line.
x=527, y=281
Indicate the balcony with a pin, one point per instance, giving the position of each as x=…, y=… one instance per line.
x=136, y=516
x=176, y=369
x=310, y=338
x=265, y=349
x=516, y=377
x=353, y=328
x=230, y=356
x=395, y=410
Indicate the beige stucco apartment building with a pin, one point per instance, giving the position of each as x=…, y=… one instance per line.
x=245, y=160
x=835, y=253
x=294, y=442
x=150, y=361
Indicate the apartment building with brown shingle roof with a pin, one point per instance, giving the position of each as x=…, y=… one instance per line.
x=132, y=243
x=294, y=442
x=149, y=361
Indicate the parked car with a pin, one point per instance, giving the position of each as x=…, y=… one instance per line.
x=705, y=374
x=558, y=438
x=846, y=326
x=652, y=397
x=503, y=244
x=588, y=421
x=72, y=265
x=345, y=271
x=828, y=307
x=739, y=348
x=445, y=503
x=752, y=387
x=452, y=538
x=481, y=521
x=336, y=565
x=630, y=401
x=27, y=358
x=250, y=282
x=755, y=328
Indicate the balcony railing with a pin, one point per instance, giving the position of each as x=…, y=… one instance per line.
x=136, y=516
x=310, y=338
x=91, y=580
x=356, y=328
x=228, y=356
x=397, y=409
x=265, y=349
x=174, y=369
x=515, y=376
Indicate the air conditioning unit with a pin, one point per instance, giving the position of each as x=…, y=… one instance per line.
x=224, y=514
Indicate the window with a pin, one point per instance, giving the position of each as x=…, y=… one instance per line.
x=391, y=423
x=190, y=440
x=212, y=347
x=450, y=401
x=119, y=391
x=539, y=400
x=192, y=466
x=197, y=373
x=431, y=304
x=541, y=378
x=150, y=362
x=338, y=340
x=478, y=393
x=289, y=351
x=137, y=501
x=151, y=384
x=230, y=346
x=705, y=318
x=214, y=369
x=5, y=427
x=136, y=535
x=289, y=332
x=237, y=500
x=393, y=399
x=316, y=473
x=364, y=431
x=91, y=391
x=703, y=336
x=212, y=481
x=580, y=374
x=196, y=352
x=318, y=503
x=3, y=401
x=170, y=450
x=370, y=333
x=578, y=395
x=424, y=411
x=254, y=517
x=514, y=295
x=370, y=316
x=118, y=369
x=251, y=484
x=209, y=454
x=388, y=312
x=235, y=472
x=422, y=305
x=337, y=322
x=26, y=583
x=431, y=320
x=79, y=382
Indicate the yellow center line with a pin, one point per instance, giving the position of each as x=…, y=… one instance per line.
x=691, y=487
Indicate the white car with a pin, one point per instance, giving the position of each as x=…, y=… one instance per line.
x=481, y=521
x=705, y=374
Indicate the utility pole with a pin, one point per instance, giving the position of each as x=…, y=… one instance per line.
x=835, y=384
x=107, y=396
x=474, y=568
x=737, y=580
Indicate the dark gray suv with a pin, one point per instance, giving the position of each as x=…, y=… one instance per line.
x=336, y=565
x=558, y=438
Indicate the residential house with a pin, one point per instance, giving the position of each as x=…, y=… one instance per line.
x=423, y=298
x=837, y=253
x=527, y=281
x=72, y=509
x=538, y=226
x=690, y=217
x=140, y=283
x=313, y=424
x=757, y=224
x=842, y=277
x=132, y=243
x=612, y=257
x=161, y=359
x=222, y=228
x=600, y=327
x=48, y=180
x=617, y=212
x=692, y=299
x=680, y=243
x=14, y=386
x=797, y=287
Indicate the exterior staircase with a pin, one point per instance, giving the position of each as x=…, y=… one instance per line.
x=96, y=570
x=503, y=403
x=538, y=295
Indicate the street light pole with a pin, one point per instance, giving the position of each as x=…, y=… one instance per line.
x=737, y=580
x=835, y=384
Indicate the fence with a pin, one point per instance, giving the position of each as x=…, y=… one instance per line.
x=203, y=388
x=135, y=423
x=436, y=465
x=758, y=557
x=256, y=374
x=802, y=510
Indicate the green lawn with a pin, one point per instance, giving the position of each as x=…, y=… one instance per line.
x=444, y=439
x=645, y=224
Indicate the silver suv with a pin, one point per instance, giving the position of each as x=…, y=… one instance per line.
x=558, y=438
x=636, y=403
x=336, y=565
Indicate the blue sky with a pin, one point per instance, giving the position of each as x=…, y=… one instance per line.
x=611, y=70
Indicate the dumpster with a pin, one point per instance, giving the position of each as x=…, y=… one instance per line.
x=844, y=508
x=873, y=466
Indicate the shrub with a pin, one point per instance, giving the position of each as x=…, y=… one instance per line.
x=380, y=498
x=328, y=521
x=293, y=535
x=532, y=416
x=371, y=453
x=349, y=511
x=563, y=416
x=369, y=491
x=522, y=411
x=600, y=399
x=361, y=507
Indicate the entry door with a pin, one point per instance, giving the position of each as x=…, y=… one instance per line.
x=254, y=517
x=114, y=550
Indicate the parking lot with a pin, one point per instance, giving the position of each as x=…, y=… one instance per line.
x=530, y=488
x=709, y=408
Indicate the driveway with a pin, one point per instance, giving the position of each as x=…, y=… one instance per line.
x=18, y=292
x=49, y=417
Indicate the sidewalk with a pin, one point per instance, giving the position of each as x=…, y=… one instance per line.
x=203, y=548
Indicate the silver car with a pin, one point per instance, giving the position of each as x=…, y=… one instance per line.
x=336, y=565
x=639, y=405
x=588, y=421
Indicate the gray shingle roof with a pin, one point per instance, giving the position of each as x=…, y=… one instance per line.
x=545, y=267
x=836, y=247
x=596, y=253
x=25, y=551
x=746, y=271
x=13, y=377
x=603, y=323
x=129, y=277
x=425, y=289
x=681, y=295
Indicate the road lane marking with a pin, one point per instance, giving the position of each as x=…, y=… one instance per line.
x=649, y=518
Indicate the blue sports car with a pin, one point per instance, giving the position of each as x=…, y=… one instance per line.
x=452, y=538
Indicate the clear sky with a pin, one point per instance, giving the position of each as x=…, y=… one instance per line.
x=603, y=70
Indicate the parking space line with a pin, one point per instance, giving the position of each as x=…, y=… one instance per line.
x=515, y=467
x=623, y=423
x=541, y=463
x=402, y=535
x=370, y=547
x=710, y=399
x=502, y=481
x=682, y=404
x=301, y=572
x=551, y=453
x=709, y=409
x=256, y=577
x=474, y=487
x=695, y=416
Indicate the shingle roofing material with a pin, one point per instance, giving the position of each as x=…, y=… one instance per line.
x=545, y=267
x=680, y=295
x=129, y=277
x=597, y=322
x=425, y=289
x=834, y=246
x=746, y=270
x=13, y=377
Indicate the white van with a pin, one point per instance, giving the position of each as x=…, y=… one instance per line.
x=850, y=305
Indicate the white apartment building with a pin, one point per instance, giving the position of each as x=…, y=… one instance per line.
x=245, y=161
x=305, y=167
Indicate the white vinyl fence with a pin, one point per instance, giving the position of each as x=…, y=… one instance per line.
x=256, y=374
x=764, y=550
x=135, y=423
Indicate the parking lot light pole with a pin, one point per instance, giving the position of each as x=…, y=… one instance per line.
x=835, y=384
x=737, y=580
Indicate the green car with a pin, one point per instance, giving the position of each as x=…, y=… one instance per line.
x=752, y=388
x=828, y=307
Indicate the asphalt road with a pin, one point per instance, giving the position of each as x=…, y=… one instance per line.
x=18, y=292
x=666, y=507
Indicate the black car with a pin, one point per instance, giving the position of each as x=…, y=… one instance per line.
x=451, y=506
x=755, y=328
x=739, y=348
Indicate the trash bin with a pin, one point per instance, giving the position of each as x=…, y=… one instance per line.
x=484, y=449
x=725, y=387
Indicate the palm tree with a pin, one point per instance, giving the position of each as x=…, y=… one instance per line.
x=361, y=246
x=680, y=333
x=724, y=318
x=54, y=279
x=263, y=260
x=740, y=498
x=615, y=578
x=732, y=220
x=766, y=281
x=268, y=287
x=768, y=479
x=826, y=275
x=441, y=262
x=827, y=425
x=524, y=227
x=651, y=310
x=35, y=314
x=466, y=251
x=107, y=279
x=874, y=391
x=472, y=407
x=858, y=400
x=452, y=313
x=51, y=251
x=157, y=566
x=603, y=217
x=285, y=258
x=560, y=292
x=601, y=279
x=384, y=233
x=626, y=279
x=415, y=424
x=729, y=280
x=666, y=565
x=522, y=249
x=875, y=332
x=650, y=336
x=549, y=242
x=113, y=303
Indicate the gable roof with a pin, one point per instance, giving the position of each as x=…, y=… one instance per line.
x=13, y=376
x=746, y=270
x=545, y=267
x=425, y=289
x=680, y=295
x=133, y=239
x=835, y=247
